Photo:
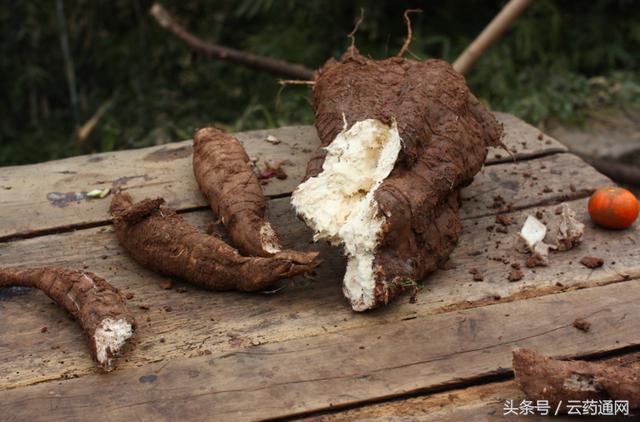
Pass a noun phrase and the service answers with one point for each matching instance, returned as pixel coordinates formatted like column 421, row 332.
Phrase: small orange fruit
column 614, row 208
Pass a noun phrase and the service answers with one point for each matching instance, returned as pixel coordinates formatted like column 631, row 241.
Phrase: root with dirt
column 161, row 240
column 98, row 306
column 399, row 139
column 226, row 178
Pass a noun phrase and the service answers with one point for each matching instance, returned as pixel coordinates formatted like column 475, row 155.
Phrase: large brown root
column 543, row 378
column 225, row 177
column 161, row 240
column 444, row 133
column 97, row 305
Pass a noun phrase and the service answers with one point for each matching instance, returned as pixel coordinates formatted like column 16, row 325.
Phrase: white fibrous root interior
column 269, row 239
column 109, row 338
column 339, row 203
column 531, row 239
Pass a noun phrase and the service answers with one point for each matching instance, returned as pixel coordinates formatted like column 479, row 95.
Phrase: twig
column 69, row 67
column 85, row 130
column 267, row 64
column 407, row 41
column 490, row 34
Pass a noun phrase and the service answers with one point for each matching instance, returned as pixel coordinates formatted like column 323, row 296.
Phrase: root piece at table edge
column 545, row 378
column 99, row 307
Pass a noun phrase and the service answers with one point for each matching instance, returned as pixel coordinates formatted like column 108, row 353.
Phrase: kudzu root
column 225, row 177
column 559, row 381
column 399, row 139
column 161, row 240
column 98, row 306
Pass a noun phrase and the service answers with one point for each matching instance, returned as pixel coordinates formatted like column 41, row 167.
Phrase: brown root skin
column 543, row 378
column 225, row 177
column 445, row 133
column 90, row 299
column 164, row 242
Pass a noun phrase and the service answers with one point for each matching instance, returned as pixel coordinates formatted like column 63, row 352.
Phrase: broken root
column 161, row 240
column 98, row 306
column 399, row 139
column 558, row 381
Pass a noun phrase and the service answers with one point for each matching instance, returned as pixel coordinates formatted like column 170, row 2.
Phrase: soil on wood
column 592, row 262
column 582, row 324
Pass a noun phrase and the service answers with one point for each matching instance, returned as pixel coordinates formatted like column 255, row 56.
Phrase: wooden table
column 302, row 352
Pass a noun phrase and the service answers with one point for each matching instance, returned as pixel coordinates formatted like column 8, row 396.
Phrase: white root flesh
column 269, row 239
column 531, row 239
column 110, row 336
column 339, row 203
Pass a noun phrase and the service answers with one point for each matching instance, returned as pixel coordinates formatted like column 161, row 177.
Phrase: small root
column 407, row 41
column 285, row 82
column 352, row 34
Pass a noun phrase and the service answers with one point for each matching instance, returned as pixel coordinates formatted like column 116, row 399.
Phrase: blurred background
column 569, row 67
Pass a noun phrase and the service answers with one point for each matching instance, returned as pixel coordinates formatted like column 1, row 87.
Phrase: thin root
column 285, row 82
column 352, row 34
column 407, row 41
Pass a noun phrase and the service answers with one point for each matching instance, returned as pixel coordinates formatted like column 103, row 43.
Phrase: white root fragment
column 570, row 230
column 272, row 140
column 110, row 336
column 269, row 239
column 339, row 203
column 532, row 232
column 531, row 240
column 541, row 253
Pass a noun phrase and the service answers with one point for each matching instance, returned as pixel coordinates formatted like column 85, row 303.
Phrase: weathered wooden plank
column 477, row 403
column 201, row 321
column 514, row 186
column 40, row 198
column 486, row 402
column 343, row 368
column 522, row 140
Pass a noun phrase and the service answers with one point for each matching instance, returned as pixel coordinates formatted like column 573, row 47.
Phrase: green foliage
column 559, row 58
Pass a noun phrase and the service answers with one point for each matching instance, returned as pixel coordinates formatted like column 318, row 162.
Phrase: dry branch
column 254, row 61
column 490, row 34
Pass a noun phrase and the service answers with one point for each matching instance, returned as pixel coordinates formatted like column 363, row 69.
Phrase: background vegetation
column 559, row 58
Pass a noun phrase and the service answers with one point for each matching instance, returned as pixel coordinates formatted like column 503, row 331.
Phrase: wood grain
column 478, row 403
column 484, row 402
column 513, row 186
column 343, row 368
column 206, row 322
column 41, row 198
column 28, row 193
